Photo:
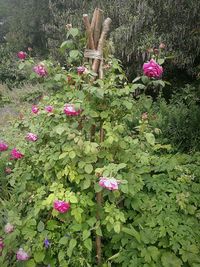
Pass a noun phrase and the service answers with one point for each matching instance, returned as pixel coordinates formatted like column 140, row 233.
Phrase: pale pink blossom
column 162, row 46
column 21, row 55
column 144, row 116
column 16, row 154
column 31, row 137
column 3, row 146
column 22, row 255
column 49, row 109
column 108, row 183
column 9, row 228
column 61, row 206
column 152, row 69
column 40, row 70
column 35, row 109
column 70, row 110
column 8, row 170
column 82, row 70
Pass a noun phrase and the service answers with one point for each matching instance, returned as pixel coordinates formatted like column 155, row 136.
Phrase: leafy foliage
column 152, row 220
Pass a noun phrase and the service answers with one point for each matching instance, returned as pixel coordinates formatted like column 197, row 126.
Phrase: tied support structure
column 97, row 32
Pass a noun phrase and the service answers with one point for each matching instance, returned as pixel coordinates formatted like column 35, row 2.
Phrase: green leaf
column 170, row 260
column 73, row 31
column 39, row 256
column 40, row 226
column 72, row 154
column 161, row 61
column 150, row 138
column 30, row 263
column 73, row 199
column 64, row 240
column 86, row 234
column 88, row 244
column 131, row 231
column 86, row 184
column 117, row 227
column 88, row 168
column 74, row 54
column 72, row 245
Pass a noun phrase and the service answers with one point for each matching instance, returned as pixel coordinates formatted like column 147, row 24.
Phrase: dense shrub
column 152, row 220
column 179, row 119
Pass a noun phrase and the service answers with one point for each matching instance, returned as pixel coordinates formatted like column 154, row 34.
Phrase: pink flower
column 61, row 206
column 40, row 70
column 1, row 244
column 21, row 55
column 31, row 137
column 145, row 116
column 22, row 255
column 16, row 154
column 71, row 111
column 109, row 183
column 81, row 70
column 35, row 109
column 8, row 170
column 8, row 228
column 152, row 69
column 3, row 146
column 162, row 46
column 49, row 109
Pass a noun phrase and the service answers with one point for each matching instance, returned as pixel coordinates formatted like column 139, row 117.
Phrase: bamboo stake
column 93, row 22
column 106, row 27
column 98, row 25
column 88, row 30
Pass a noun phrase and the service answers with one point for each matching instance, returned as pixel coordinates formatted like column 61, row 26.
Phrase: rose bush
column 148, row 213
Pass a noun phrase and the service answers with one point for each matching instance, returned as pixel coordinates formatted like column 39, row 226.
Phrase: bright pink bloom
column 3, row 146
column 31, row 137
column 35, row 109
column 61, row 206
column 22, row 255
column 71, row 111
column 81, row 70
column 9, row 228
column 16, row 154
column 49, row 109
column 109, row 183
column 22, row 55
column 8, row 170
column 1, row 246
column 152, row 69
column 40, row 70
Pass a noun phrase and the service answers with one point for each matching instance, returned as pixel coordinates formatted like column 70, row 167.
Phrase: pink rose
column 61, row 206
column 22, row 255
column 21, row 55
column 109, row 183
column 152, row 69
column 49, row 109
column 162, row 46
column 70, row 110
column 8, row 170
column 16, row 154
column 145, row 116
column 3, row 146
column 35, row 109
column 40, row 70
column 1, row 246
column 81, row 70
column 8, row 228
column 31, row 137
